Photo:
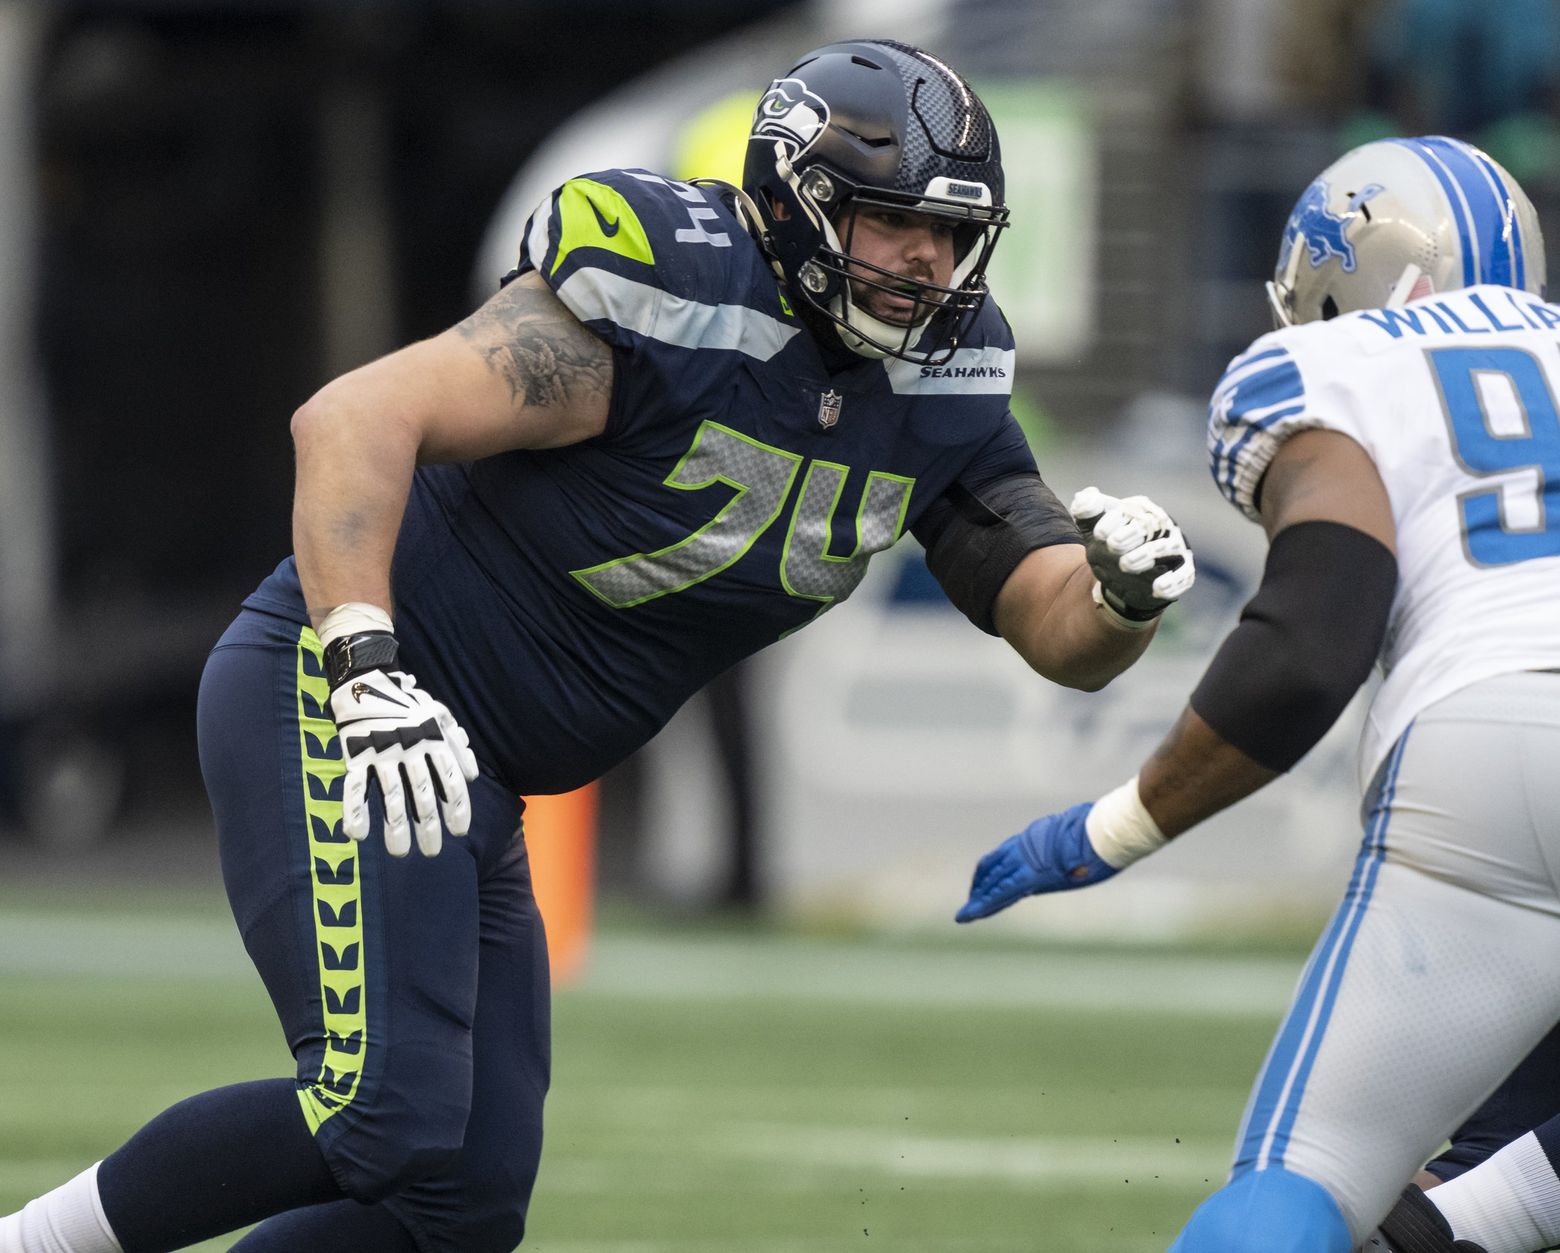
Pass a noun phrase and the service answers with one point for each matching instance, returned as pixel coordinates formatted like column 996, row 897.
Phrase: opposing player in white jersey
column 1399, row 439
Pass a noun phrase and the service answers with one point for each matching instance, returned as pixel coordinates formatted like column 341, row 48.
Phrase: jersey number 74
column 762, row 476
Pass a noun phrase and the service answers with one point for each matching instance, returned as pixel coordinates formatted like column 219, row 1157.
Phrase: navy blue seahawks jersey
column 565, row 602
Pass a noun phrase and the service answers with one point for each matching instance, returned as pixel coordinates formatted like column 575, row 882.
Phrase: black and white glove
column 410, row 742
column 1140, row 559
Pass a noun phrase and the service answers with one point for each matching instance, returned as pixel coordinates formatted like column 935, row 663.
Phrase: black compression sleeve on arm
column 973, row 543
column 1304, row 645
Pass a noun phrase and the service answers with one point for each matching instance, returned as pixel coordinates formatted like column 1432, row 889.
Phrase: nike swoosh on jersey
column 609, row 229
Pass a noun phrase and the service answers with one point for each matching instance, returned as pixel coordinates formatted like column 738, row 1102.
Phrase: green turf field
column 717, row 1089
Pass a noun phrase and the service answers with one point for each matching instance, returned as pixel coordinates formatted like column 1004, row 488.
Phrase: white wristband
column 1120, row 828
column 353, row 618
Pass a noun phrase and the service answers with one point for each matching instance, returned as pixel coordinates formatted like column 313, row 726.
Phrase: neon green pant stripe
column 338, row 900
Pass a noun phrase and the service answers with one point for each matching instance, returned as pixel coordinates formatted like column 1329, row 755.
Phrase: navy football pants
column 413, row 992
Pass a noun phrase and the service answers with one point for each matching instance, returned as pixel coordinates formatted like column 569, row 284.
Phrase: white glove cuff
column 353, row 618
column 1115, row 618
column 1120, row 828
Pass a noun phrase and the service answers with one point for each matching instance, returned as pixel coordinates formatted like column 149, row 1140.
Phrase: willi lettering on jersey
column 1467, row 313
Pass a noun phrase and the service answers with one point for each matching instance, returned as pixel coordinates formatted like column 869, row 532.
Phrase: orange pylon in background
column 560, row 840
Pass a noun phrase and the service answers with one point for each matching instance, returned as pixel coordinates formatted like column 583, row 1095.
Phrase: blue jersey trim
column 1255, row 400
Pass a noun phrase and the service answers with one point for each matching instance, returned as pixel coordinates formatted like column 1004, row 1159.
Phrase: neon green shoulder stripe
column 593, row 215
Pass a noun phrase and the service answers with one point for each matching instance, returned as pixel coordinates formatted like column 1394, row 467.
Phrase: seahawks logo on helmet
column 1326, row 234
column 792, row 114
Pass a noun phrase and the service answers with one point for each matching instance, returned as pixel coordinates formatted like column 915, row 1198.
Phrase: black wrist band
column 1129, row 612
column 348, row 655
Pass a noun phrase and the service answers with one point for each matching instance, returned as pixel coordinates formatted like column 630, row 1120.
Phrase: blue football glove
column 1051, row 854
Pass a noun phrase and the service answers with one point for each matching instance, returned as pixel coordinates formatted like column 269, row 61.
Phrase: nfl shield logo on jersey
column 829, row 408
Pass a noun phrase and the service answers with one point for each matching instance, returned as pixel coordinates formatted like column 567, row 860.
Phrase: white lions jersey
column 1457, row 400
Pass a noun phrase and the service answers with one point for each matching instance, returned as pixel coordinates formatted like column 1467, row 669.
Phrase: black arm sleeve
column 974, row 542
column 1304, row 645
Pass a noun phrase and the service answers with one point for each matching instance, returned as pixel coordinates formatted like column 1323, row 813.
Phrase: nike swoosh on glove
column 1141, row 560
column 1051, row 854
column 413, row 746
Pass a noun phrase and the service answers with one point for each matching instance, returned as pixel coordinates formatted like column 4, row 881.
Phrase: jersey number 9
column 1502, row 417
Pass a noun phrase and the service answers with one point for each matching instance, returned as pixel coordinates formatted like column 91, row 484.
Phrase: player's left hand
column 1051, row 854
column 1141, row 560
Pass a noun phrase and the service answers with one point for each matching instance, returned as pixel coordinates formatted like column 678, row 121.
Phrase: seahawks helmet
column 877, row 124
column 1399, row 219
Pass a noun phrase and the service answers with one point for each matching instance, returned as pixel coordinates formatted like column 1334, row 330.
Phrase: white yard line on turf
column 797, row 1157
column 1020, row 1160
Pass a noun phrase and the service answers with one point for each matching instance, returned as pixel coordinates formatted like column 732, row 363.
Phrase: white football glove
column 1138, row 554
column 416, row 750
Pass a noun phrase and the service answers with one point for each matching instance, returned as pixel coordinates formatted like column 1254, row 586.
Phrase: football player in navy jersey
column 676, row 434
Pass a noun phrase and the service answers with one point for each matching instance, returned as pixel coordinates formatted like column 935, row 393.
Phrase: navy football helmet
column 880, row 125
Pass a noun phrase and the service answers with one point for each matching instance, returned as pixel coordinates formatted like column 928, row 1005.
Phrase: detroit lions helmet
column 883, row 125
column 1399, row 219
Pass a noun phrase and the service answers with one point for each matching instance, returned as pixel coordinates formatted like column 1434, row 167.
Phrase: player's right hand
column 1051, row 854
column 393, row 730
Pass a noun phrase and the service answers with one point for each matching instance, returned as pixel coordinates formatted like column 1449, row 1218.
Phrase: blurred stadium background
column 776, row 1038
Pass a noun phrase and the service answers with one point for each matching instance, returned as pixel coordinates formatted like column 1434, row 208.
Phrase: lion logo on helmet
column 1326, row 233
column 791, row 114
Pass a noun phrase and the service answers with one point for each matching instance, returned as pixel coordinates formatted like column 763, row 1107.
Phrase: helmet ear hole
column 1329, row 309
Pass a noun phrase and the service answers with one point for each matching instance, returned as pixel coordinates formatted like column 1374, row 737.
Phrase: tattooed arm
column 520, row 372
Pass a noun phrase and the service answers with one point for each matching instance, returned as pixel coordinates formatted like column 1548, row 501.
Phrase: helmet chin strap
column 861, row 329
column 872, row 327
column 863, row 333
column 868, row 326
